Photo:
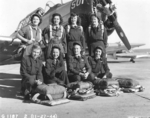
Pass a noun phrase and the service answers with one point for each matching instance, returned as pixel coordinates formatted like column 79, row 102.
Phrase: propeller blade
column 118, row 28
column 121, row 34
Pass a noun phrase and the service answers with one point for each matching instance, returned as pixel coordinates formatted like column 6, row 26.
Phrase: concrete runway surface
column 127, row 105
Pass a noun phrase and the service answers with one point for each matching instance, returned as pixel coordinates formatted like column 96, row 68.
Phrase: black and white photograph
column 74, row 59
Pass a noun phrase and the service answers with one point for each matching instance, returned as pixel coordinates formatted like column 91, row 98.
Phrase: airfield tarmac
column 127, row 105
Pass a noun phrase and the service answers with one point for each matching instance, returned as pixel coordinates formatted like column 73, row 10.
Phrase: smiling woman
column 55, row 35
column 31, row 72
column 30, row 34
column 36, row 20
column 133, row 17
column 55, row 68
column 36, row 51
column 17, row 10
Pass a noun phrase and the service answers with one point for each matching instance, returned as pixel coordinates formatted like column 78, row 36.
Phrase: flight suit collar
column 36, row 60
column 74, row 26
column 97, row 27
column 56, row 27
column 98, row 59
column 79, row 58
column 35, row 28
column 55, row 63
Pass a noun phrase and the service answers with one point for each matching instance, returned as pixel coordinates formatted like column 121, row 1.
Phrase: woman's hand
column 81, row 74
column 83, row 53
column 86, row 75
column 29, row 42
column 38, row 82
column 95, row 77
column 33, row 39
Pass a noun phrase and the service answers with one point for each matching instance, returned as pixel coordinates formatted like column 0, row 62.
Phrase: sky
column 133, row 16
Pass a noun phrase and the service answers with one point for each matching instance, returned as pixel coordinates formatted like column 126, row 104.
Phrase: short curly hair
column 57, row 14
column 56, row 47
column 93, row 15
column 98, row 47
column 78, row 19
column 37, row 15
column 36, row 47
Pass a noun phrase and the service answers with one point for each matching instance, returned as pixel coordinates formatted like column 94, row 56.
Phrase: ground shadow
column 138, row 60
column 9, row 85
column 119, row 61
column 134, row 77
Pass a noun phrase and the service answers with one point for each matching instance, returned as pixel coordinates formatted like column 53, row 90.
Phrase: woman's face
column 98, row 53
column 94, row 21
column 35, row 21
column 36, row 53
column 77, row 50
column 74, row 19
column 56, row 20
column 55, row 53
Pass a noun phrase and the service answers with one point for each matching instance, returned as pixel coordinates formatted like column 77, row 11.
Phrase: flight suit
column 57, row 38
column 29, row 33
column 77, row 65
column 97, row 36
column 55, row 72
column 99, row 67
column 30, row 71
column 75, row 35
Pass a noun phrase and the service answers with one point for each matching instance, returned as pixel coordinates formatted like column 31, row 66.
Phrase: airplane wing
column 132, row 55
column 6, row 47
column 119, row 47
column 111, row 50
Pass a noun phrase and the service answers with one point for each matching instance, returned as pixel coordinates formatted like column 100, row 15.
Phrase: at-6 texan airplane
column 83, row 8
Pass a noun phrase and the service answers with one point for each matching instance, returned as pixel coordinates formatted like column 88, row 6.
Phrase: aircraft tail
column 22, row 23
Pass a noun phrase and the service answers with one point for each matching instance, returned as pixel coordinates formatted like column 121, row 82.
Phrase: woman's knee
column 91, row 76
column 74, row 78
column 77, row 77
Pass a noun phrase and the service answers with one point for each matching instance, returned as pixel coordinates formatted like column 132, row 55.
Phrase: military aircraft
column 84, row 8
column 118, row 50
column 114, row 51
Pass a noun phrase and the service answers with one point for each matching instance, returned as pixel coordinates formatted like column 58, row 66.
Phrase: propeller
column 117, row 27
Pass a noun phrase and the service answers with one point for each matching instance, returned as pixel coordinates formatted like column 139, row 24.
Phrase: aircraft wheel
column 132, row 60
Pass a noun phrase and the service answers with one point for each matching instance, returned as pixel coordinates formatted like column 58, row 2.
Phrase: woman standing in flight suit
column 30, row 34
column 96, row 35
column 55, row 35
column 74, row 33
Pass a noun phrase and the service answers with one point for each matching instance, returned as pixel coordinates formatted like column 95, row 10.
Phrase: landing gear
column 132, row 60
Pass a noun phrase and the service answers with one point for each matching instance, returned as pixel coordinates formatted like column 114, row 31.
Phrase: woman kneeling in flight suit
column 99, row 65
column 78, row 66
column 55, row 69
column 31, row 71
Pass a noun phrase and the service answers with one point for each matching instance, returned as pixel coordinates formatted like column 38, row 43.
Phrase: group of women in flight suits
column 68, row 44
